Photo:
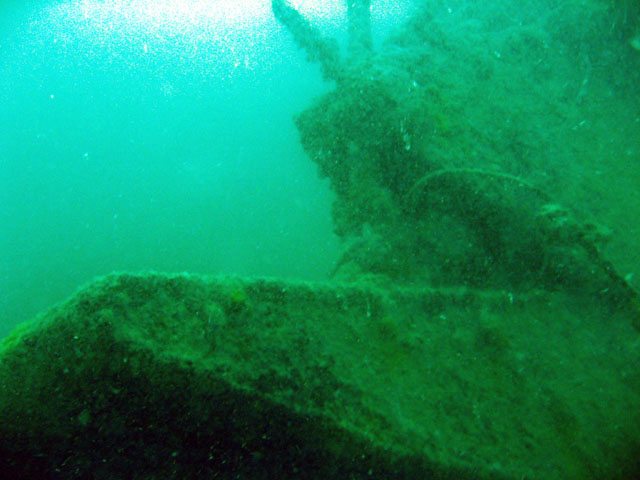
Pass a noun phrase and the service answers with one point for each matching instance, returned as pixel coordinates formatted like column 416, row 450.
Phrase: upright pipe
column 359, row 29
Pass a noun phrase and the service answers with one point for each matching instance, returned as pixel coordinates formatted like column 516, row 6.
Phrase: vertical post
column 359, row 18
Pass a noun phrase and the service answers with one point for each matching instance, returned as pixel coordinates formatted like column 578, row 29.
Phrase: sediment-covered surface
column 156, row 376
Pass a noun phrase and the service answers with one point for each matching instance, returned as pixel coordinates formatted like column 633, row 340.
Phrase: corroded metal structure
column 422, row 198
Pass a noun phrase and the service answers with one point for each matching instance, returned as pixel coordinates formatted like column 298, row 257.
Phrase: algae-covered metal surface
column 482, row 320
column 155, row 376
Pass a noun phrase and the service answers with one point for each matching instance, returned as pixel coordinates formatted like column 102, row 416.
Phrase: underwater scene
column 307, row 239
